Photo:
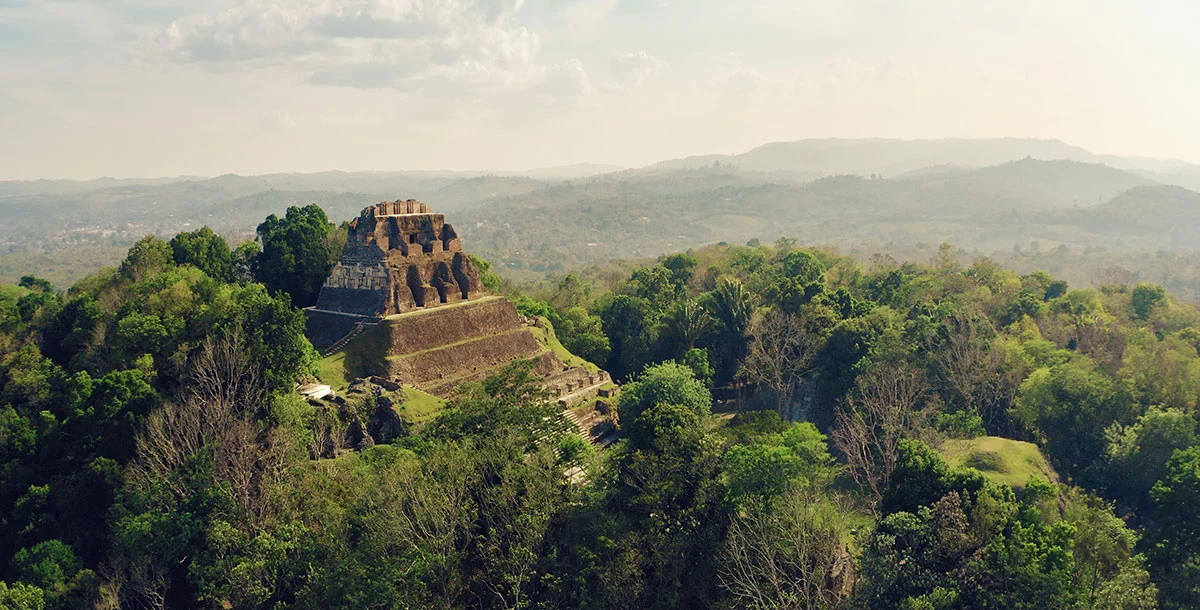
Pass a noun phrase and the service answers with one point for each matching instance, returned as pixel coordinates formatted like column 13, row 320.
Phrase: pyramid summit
column 399, row 256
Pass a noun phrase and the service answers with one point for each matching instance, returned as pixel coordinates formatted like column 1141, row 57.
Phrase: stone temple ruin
column 405, row 304
column 399, row 256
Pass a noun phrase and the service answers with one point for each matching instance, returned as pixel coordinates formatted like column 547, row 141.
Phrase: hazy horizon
column 602, row 167
column 146, row 88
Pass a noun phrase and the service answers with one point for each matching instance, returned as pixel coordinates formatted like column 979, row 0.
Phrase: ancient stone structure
column 399, row 256
column 406, row 305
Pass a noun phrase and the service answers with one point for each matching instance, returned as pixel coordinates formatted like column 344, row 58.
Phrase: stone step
column 591, row 424
column 344, row 341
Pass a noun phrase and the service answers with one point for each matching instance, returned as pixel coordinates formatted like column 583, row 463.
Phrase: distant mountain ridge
column 794, row 160
column 892, row 157
column 828, row 192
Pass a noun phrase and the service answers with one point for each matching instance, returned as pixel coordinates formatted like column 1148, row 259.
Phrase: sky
column 144, row 88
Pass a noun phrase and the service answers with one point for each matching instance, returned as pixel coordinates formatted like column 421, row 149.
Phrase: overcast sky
column 157, row 87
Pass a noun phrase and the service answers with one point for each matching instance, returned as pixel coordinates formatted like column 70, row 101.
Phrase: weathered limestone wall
column 574, row 380
column 459, row 360
column 544, row 364
column 439, row 327
column 387, row 227
column 380, row 289
column 399, row 256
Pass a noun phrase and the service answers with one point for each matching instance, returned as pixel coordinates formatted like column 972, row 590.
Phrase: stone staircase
column 592, row 425
column 354, row 332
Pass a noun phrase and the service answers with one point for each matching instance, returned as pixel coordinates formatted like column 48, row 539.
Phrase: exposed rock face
column 399, row 256
column 365, row 416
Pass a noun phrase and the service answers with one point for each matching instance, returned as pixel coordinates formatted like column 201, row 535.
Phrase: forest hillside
column 797, row 428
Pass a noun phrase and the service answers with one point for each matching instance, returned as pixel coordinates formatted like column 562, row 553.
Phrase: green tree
column 204, row 250
column 667, row 383
column 697, row 360
column 1173, row 544
column 798, row 458
column 295, row 256
column 628, row 324
column 582, row 334
column 802, row 267
column 35, row 283
column 732, row 308
column 1068, row 406
column 1137, row 454
column 148, row 256
column 1107, row 571
column 1146, row 298
column 271, row 333
column 49, row 564
column 683, row 326
column 20, row 596
column 509, row 401
column 951, row 536
column 682, row 267
column 668, row 485
column 655, row 285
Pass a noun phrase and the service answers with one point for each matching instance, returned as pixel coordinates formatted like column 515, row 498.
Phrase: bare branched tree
column 780, row 354
column 889, row 404
column 217, row 413
column 971, row 371
column 137, row 584
column 224, row 393
column 222, row 374
column 328, row 435
column 790, row 557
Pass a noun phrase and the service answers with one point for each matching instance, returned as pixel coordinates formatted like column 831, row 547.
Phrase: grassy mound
column 544, row 333
column 419, row 407
column 1001, row 459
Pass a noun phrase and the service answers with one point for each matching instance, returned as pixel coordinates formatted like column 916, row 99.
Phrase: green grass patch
column 549, row 340
column 419, row 407
column 332, row 371
column 363, row 356
column 1001, row 459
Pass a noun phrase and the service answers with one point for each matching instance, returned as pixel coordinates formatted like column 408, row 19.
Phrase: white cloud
column 632, row 69
column 732, row 72
column 566, row 81
column 409, row 44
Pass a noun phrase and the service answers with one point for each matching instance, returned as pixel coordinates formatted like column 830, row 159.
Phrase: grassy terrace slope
column 546, row 337
column 368, row 354
column 1001, row 459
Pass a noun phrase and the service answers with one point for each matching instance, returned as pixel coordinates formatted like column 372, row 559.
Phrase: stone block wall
column 459, row 360
column 440, row 327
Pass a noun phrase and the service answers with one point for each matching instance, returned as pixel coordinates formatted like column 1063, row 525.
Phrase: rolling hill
column 854, row 194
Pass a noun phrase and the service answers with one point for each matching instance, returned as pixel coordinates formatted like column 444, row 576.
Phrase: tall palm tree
column 731, row 307
column 684, row 325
